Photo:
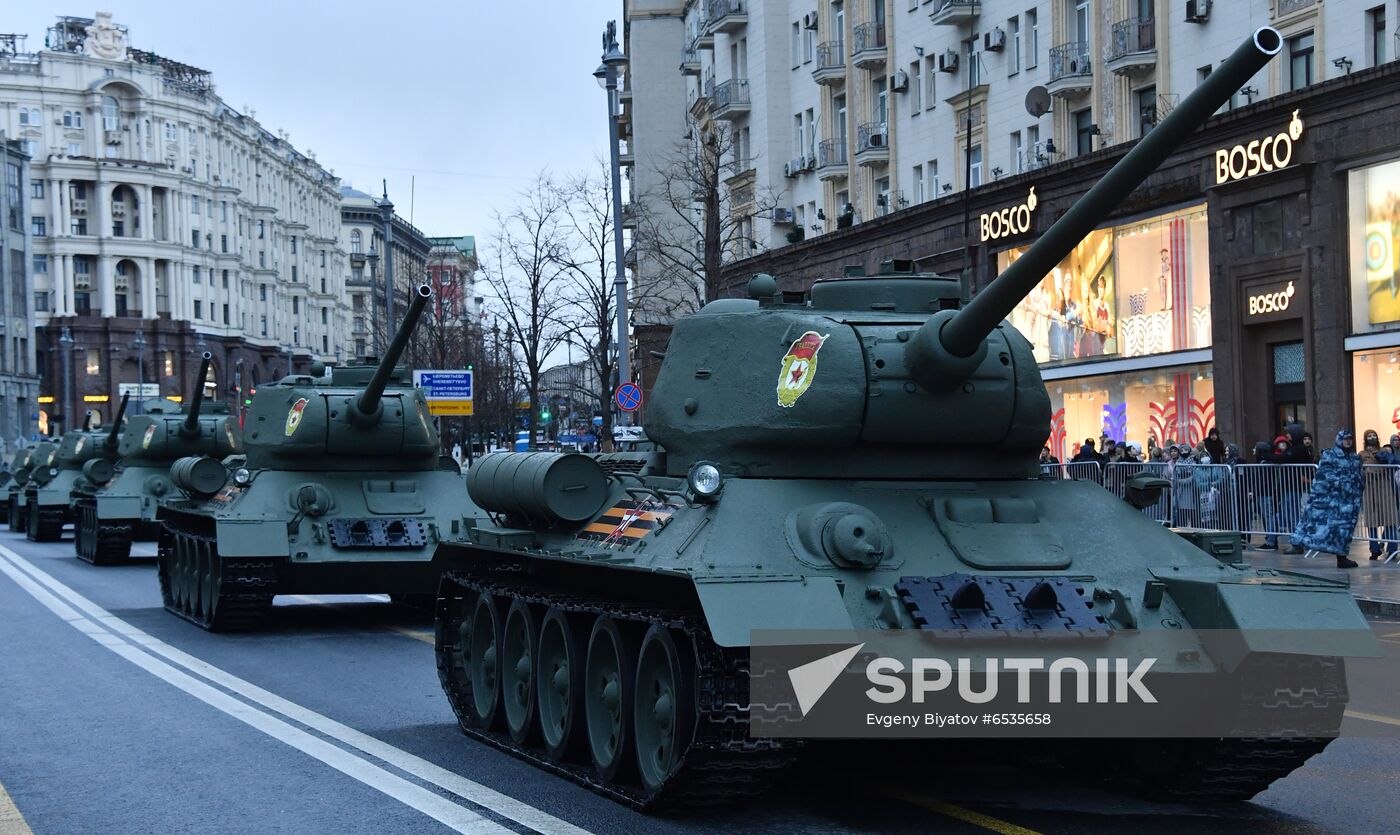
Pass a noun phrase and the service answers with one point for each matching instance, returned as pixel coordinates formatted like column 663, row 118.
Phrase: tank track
column 18, row 517
column 45, row 524
column 237, row 598
column 1308, row 692
column 99, row 542
column 722, row 766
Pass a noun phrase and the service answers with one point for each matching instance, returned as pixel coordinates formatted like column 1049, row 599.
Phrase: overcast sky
column 457, row 103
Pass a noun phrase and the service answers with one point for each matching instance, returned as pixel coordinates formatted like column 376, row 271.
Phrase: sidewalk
column 1376, row 585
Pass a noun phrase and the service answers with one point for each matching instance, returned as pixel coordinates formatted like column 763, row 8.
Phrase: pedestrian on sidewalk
column 1214, row 446
column 1380, row 502
column 1334, row 502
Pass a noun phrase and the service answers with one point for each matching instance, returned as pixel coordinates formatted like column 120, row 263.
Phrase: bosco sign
column 1276, row 302
column 1013, row 220
column 1259, row 155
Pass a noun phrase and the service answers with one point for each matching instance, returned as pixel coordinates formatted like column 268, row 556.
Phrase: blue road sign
column 447, row 392
column 628, row 397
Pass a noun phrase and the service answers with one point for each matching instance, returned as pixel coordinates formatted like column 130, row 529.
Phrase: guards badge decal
column 294, row 416
column 799, row 367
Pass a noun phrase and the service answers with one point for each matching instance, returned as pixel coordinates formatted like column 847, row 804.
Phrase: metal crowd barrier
column 1255, row 499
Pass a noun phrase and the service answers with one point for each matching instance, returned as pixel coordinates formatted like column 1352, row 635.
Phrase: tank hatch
column 896, row 288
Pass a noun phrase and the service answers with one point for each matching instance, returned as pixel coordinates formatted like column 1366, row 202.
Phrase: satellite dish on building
column 1037, row 102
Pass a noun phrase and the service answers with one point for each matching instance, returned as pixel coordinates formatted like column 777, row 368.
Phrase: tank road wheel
column 664, row 707
column 483, row 657
column 519, row 642
column 558, row 699
column 607, row 698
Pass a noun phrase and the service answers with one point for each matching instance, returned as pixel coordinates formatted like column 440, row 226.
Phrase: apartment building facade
column 164, row 223
column 362, row 237
column 19, row 381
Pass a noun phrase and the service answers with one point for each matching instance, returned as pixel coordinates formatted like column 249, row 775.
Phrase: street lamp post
column 613, row 60
column 373, row 258
column 139, row 343
column 65, row 340
column 386, row 215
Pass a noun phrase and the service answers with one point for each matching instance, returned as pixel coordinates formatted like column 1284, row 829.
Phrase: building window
column 294, row 274
column 1032, row 38
column 1016, row 155
column 262, row 259
column 225, row 277
column 262, row 292
column 323, row 258
column 93, row 362
column 809, row 45
column 223, row 211
column 170, row 134
column 293, row 240
column 261, row 229
column 41, row 264
column 1013, row 52
column 1375, row 20
column 29, row 117
column 918, row 184
column 196, row 275
column 36, row 188
column 75, row 149
column 296, row 305
column 974, row 66
column 796, row 44
column 1147, row 109
column 223, row 243
column 1300, row 61
column 325, row 315
column 975, row 176
column 916, row 87
column 225, row 314
column 194, row 204
column 111, row 114
column 359, row 347
column 38, row 227
column 262, row 322
column 72, row 118
column 41, row 302
column 194, row 238
column 198, row 309
column 1083, row 131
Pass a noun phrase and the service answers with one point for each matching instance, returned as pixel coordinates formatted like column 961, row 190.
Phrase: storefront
column 1373, row 222
column 1121, row 327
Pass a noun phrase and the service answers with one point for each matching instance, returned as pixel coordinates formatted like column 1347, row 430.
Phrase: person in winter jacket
column 1378, row 505
column 1214, row 446
column 1088, row 453
column 1334, row 502
column 1387, row 498
column 1210, row 485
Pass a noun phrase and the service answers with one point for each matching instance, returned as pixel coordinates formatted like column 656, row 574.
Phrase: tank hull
column 378, row 534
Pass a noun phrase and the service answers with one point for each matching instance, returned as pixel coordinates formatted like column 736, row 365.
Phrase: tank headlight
column 242, row 477
column 704, row 480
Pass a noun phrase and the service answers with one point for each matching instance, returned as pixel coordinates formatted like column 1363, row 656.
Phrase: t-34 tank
column 820, row 460
column 342, row 492
column 116, row 504
column 14, row 490
column 48, row 495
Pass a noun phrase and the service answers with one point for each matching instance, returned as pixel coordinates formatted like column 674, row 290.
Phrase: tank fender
column 1262, row 613
column 118, row 507
column 253, row 539
column 735, row 606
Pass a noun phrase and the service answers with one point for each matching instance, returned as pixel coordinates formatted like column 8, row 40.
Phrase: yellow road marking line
column 965, row 815
column 11, row 821
column 1372, row 717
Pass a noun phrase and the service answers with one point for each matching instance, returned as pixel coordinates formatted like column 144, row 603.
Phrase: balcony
column 873, row 143
column 79, row 206
column 690, row 61
column 625, row 155
column 955, row 12
column 629, row 216
column 868, row 45
column 890, row 201
column 831, row 159
column 1071, row 73
column 831, row 63
column 118, row 209
column 1132, row 46
column 730, row 100
column 726, row 15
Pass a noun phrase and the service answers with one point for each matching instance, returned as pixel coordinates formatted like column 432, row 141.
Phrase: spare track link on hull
column 45, row 522
column 99, row 542
column 221, row 595
column 1310, row 690
column 723, row 765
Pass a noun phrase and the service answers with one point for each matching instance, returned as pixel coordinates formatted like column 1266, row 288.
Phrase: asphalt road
column 117, row 717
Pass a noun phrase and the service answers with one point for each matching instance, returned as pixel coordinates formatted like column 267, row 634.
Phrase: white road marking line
column 416, row 797
column 11, row 821
column 503, row 805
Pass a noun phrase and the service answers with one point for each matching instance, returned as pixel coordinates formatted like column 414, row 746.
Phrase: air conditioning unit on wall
column 994, row 41
column 899, row 82
column 809, row 20
column 781, row 215
column 1197, row 11
column 948, row 61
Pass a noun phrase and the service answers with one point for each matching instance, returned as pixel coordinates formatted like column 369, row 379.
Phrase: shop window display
column 1133, row 290
column 1163, row 405
column 1376, row 383
column 1374, row 231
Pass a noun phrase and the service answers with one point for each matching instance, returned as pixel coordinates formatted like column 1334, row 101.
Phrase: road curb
column 1379, row 608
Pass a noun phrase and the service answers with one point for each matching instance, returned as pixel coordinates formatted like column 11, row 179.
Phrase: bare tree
column 526, row 272
column 699, row 216
column 588, row 273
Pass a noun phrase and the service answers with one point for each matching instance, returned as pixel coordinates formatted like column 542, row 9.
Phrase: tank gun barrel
column 367, row 404
column 116, row 430
column 191, row 425
column 962, row 334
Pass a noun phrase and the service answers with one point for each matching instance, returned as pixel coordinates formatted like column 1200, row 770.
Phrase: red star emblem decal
column 797, row 374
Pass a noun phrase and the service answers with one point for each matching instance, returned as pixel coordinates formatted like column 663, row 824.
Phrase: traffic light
column 544, row 414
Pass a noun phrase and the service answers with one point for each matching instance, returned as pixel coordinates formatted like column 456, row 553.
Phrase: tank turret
column 361, row 412
column 892, row 376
